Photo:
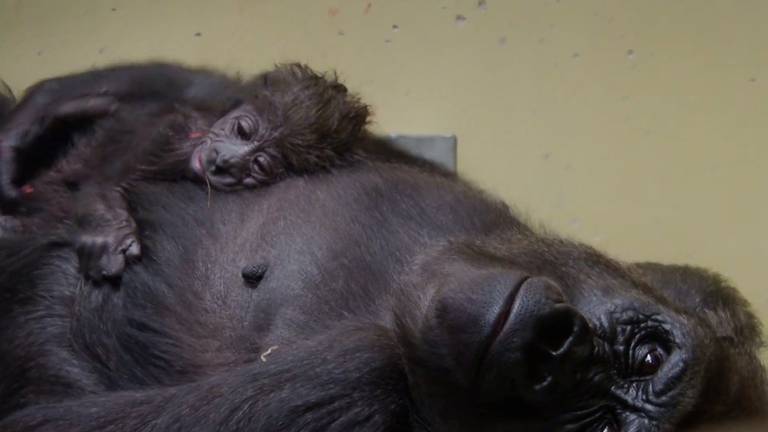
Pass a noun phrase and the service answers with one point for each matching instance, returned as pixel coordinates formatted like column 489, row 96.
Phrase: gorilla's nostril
column 218, row 163
column 555, row 331
column 222, row 162
column 562, row 331
column 541, row 379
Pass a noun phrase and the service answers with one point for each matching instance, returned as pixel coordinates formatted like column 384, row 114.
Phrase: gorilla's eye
column 610, row 425
column 244, row 129
column 649, row 359
column 260, row 164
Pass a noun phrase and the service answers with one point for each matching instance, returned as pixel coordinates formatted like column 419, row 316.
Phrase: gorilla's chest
column 333, row 247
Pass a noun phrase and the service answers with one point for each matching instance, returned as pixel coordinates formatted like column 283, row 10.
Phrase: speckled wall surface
column 638, row 126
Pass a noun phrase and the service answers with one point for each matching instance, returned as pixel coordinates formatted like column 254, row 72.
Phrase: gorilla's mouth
column 500, row 321
column 196, row 162
column 224, row 182
column 201, row 169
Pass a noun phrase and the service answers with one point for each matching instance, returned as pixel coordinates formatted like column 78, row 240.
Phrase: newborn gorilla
column 395, row 299
column 163, row 121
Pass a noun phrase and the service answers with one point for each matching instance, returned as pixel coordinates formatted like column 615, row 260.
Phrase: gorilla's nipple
column 253, row 274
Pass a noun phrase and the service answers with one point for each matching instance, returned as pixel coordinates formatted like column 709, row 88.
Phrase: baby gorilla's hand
column 104, row 252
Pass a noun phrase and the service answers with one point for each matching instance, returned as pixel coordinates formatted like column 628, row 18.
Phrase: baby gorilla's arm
column 72, row 102
column 80, row 200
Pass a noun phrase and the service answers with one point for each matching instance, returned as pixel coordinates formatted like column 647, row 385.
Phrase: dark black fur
column 384, row 283
column 102, row 130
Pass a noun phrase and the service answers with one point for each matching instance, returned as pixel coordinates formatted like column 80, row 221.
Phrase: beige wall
column 638, row 126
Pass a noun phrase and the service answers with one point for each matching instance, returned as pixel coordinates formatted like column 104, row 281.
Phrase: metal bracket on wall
column 440, row 149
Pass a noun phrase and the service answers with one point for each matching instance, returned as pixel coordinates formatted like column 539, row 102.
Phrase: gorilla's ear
column 735, row 384
column 709, row 295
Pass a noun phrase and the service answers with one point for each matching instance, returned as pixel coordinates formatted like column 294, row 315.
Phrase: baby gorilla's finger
column 131, row 248
column 111, row 265
column 89, row 250
column 98, row 258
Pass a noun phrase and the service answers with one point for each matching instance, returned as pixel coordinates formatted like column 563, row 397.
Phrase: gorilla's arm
column 349, row 379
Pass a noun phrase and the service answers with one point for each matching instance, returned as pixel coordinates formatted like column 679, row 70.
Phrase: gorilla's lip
column 225, row 182
column 500, row 320
column 196, row 162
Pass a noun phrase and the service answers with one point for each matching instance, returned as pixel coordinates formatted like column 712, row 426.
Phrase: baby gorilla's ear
column 317, row 115
column 341, row 116
column 338, row 114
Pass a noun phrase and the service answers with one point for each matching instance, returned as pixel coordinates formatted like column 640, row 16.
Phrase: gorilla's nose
column 217, row 162
column 561, row 343
column 544, row 344
column 223, row 162
column 562, row 333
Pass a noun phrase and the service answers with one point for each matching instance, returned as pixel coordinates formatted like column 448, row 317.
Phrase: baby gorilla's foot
column 104, row 254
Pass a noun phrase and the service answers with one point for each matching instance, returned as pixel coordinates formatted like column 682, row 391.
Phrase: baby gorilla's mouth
column 197, row 163
column 205, row 166
column 200, row 166
column 224, row 182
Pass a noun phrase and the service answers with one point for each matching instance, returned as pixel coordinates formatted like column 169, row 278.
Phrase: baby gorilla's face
column 236, row 153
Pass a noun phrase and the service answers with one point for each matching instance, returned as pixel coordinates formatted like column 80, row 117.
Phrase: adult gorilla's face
column 580, row 345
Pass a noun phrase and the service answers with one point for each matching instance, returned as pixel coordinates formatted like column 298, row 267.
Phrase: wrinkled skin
column 394, row 299
column 532, row 344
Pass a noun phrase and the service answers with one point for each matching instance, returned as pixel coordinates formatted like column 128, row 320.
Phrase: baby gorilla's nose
column 218, row 162
column 223, row 162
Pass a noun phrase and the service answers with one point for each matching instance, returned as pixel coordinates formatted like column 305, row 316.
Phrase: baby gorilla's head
column 294, row 121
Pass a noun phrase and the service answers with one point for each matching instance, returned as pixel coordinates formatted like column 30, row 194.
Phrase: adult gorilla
column 395, row 298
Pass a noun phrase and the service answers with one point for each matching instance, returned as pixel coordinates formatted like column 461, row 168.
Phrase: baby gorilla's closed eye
column 244, row 129
column 261, row 166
